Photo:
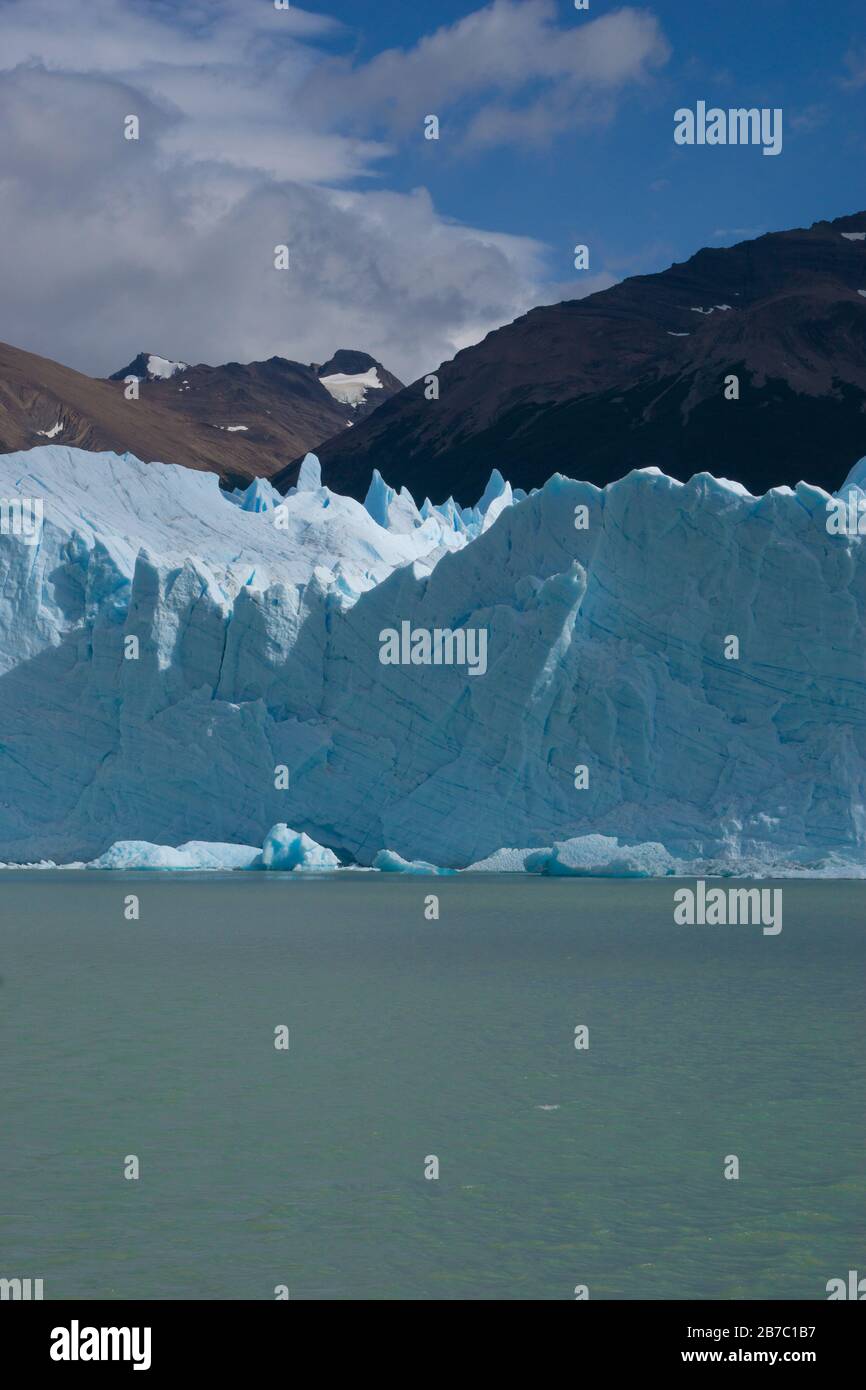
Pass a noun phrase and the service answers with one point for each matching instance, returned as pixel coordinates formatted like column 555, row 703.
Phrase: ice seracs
column 310, row 475
column 116, row 507
column 856, row 478
column 164, row 648
column 394, row 511
column 260, row 496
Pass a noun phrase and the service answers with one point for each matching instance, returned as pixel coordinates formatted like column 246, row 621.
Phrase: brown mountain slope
column 283, row 407
column 635, row 376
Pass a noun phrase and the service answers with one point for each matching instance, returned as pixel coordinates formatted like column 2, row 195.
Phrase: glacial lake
column 409, row 1039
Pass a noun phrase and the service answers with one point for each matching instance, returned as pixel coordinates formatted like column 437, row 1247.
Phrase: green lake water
column 411, row 1038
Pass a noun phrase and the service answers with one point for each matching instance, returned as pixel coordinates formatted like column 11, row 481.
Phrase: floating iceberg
column 391, row 863
column 283, row 850
column 601, row 856
column 287, row 849
column 195, row 854
column 504, row 861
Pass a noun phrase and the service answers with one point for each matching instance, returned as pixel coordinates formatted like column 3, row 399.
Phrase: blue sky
column 641, row 201
column 306, row 127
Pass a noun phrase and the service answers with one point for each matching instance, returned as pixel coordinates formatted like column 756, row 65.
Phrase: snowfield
column 351, row 390
column 257, row 624
column 160, row 368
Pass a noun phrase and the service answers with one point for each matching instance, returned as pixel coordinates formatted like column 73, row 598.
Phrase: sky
column 305, row 127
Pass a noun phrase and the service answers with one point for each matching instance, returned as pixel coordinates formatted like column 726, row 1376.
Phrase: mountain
column 356, row 379
column 312, row 401
column 148, row 367
column 240, row 420
column 635, row 376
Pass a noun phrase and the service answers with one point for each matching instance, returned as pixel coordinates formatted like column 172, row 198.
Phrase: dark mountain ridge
column 635, row 376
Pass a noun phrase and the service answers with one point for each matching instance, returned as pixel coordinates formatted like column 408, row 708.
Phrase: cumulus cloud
column 254, row 134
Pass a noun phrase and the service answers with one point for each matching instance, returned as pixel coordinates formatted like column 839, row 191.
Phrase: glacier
column 256, row 622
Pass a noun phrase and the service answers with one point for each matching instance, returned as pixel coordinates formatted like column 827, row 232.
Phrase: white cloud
column 252, row 134
column 506, row 74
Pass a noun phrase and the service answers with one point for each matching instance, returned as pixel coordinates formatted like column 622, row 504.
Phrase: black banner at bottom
column 210, row 1338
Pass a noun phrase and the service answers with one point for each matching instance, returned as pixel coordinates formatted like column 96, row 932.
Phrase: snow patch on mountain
column 352, row 390
column 162, row 369
column 148, row 366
